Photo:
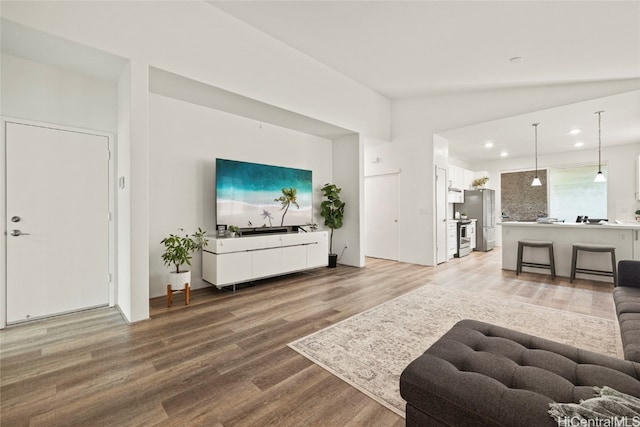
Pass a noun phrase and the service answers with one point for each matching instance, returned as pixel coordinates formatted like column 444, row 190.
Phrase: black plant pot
column 333, row 260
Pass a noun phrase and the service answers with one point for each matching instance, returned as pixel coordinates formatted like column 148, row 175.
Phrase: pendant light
column 536, row 181
column 599, row 176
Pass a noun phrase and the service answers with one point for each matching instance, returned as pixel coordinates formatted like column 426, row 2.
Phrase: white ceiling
column 417, row 48
column 410, row 48
column 620, row 124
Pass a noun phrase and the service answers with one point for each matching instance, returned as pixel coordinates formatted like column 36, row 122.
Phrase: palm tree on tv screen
column 289, row 197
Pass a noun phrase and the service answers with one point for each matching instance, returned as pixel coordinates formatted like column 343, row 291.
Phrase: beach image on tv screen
column 246, row 194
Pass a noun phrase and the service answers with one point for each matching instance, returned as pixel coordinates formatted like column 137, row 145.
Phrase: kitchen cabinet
column 457, row 177
column 468, row 177
column 452, row 238
column 472, row 233
column 457, row 184
column 455, row 195
column 564, row 235
column 460, row 179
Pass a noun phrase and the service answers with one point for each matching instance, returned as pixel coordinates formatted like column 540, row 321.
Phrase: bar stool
column 592, row 247
column 536, row 244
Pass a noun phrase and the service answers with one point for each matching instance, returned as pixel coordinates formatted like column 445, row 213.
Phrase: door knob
column 17, row 233
column 15, row 219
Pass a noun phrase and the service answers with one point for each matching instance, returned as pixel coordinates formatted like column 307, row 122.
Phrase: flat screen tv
column 247, row 195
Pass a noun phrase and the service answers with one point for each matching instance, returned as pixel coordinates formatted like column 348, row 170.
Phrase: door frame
column 439, row 221
column 3, row 205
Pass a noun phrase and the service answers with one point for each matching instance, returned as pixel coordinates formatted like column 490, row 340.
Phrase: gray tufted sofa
column 627, row 298
column 479, row 374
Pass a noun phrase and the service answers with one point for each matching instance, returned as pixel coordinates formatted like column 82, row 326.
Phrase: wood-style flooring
column 224, row 360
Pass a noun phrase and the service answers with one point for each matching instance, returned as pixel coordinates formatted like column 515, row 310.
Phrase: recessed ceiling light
column 504, row 154
column 578, row 144
column 488, row 144
column 516, row 59
column 574, row 131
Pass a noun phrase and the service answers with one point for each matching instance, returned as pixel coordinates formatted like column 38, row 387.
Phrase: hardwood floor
column 223, row 360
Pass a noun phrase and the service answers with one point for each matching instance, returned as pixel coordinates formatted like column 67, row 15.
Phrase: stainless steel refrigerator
column 480, row 204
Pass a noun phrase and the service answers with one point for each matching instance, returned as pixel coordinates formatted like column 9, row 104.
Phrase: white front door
column 57, row 226
column 381, row 216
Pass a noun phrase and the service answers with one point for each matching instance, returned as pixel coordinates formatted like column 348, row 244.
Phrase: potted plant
column 178, row 251
column 233, row 230
column 480, row 182
column 332, row 210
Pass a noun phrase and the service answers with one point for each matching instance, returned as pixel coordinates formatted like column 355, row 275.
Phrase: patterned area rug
column 371, row 349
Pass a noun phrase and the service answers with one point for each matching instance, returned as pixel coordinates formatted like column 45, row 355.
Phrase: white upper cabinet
column 455, row 193
column 459, row 180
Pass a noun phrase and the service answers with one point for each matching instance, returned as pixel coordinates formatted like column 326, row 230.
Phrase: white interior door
column 381, row 216
column 57, row 221
column 441, row 215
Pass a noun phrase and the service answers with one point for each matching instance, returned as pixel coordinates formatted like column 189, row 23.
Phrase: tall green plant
column 289, row 197
column 332, row 210
column 178, row 249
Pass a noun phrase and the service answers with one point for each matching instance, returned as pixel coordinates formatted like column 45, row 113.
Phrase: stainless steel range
column 464, row 239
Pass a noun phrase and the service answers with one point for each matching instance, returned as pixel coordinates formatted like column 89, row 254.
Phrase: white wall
column 413, row 141
column 197, row 40
column 123, row 195
column 379, row 157
column 43, row 93
column 185, row 140
column 54, row 95
column 207, row 45
column 347, row 169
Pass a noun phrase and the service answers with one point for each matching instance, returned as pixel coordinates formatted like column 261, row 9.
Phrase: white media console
column 229, row 261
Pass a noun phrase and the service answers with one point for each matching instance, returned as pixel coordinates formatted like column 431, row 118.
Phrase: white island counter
column 625, row 237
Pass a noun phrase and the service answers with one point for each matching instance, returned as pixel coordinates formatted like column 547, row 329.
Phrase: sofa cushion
column 482, row 374
column 627, row 299
column 630, row 333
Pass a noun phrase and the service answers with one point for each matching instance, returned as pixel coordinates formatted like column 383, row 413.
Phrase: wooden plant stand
column 187, row 294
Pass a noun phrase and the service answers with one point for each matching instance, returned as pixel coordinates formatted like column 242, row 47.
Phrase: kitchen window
column 572, row 192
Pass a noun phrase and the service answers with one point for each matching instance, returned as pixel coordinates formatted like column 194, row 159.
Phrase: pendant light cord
column 599, row 113
column 535, row 125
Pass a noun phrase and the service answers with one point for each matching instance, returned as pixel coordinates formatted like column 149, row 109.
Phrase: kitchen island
column 625, row 238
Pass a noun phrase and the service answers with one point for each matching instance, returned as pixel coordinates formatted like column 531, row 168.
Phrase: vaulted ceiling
column 421, row 48
column 411, row 48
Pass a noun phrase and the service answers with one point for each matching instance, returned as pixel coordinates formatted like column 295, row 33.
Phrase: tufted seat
column 627, row 298
column 482, row 374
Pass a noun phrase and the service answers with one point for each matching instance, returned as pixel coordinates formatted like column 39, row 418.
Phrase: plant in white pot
column 332, row 210
column 233, row 230
column 178, row 251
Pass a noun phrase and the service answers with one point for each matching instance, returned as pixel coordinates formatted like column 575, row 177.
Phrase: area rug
column 371, row 349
